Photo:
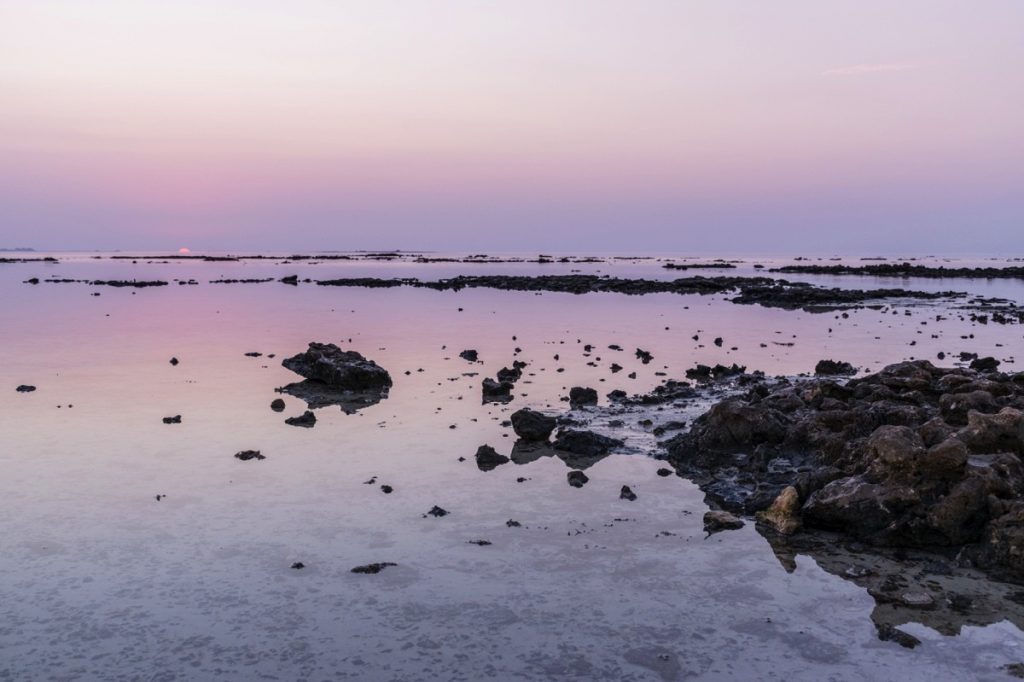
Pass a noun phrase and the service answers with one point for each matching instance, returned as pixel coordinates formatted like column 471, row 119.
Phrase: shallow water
column 99, row 580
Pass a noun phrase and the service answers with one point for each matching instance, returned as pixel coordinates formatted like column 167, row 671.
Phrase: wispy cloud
column 859, row 69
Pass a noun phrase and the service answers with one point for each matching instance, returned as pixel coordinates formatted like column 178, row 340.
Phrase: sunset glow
column 501, row 125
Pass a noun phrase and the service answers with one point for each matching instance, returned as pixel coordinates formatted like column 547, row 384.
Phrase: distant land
column 20, row 250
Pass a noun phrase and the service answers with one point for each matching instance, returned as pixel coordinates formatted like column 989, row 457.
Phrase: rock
column 487, row 458
column 985, row 364
column 277, row 405
column 644, row 356
column 335, row 368
column 991, row 433
column 582, row 397
column 512, row 375
column 470, row 355
column 663, row 472
column 784, row 515
column 25, row 388
column 437, row 511
column 290, row 279
column 577, row 479
column 373, row 568
column 174, row 361
column 627, row 494
column 496, row 391
column 176, row 419
column 306, row 420
column 246, row 455
column 584, row 442
column 479, row 543
column 254, row 354
column 532, row 425
column 298, row 565
column 889, row 633
column 386, row 489
column 834, row 368
column 716, row 520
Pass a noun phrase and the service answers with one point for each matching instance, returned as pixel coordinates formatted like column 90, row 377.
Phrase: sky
column 703, row 126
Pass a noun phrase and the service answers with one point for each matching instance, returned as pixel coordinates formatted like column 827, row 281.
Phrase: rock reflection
column 908, row 586
column 316, row 395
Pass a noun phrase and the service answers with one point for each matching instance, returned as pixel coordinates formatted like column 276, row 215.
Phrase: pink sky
column 587, row 125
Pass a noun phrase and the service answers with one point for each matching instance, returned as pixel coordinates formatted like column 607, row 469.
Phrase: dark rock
column 290, row 279
column 246, row 455
column 834, row 368
column 532, row 425
column 577, row 479
column 627, row 494
column 470, row 355
column 338, row 369
column 584, row 442
column 373, row 568
column 716, row 520
column 663, row 472
column 25, row 388
column 306, row 420
column 277, row 405
column 582, row 397
column 487, row 458
column 298, row 565
column 176, row 419
column 437, row 511
column 386, row 489
column 644, row 356
column 496, row 391
column 174, row 361
column 985, row 364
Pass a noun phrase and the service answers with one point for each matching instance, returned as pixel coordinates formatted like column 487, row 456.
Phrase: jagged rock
column 784, row 515
column 335, row 368
column 470, row 355
column 627, row 494
column 532, row 425
column 496, row 391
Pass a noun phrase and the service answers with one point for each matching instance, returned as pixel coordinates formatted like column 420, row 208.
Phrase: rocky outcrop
column 912, row 456
column 338, row 369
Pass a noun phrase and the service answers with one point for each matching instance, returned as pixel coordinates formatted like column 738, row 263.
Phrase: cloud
column 859, row 69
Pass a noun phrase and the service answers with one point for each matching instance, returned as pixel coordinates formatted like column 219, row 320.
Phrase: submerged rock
column 306, row 420
column 532, row 425
column 373, row 568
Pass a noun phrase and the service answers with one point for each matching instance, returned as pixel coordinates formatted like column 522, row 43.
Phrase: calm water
column 99, row 580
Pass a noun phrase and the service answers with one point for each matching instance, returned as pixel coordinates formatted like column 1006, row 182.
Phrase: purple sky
column 537, row 125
